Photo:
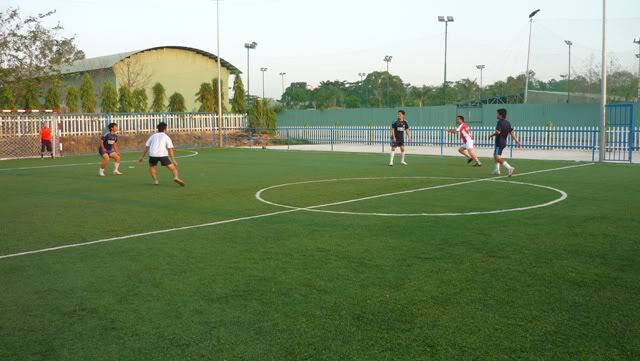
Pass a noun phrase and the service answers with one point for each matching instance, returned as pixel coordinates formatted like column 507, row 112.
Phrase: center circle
column 562, row 196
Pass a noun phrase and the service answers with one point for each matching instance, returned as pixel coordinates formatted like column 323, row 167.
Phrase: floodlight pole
column 219, row 75
column 249, row 46
column 526, row 75
column 445, row 20
column 481, row 68
column 603, row 87
column 387, row 59
column 637, row 41
column 263, row 70
column 282, row 75
column 361, row 75
column 569, row 43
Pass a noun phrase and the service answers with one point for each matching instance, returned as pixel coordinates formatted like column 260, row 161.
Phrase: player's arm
column 408, row 133
column 515, row 138
column 497, row 133
column 104, row 150
column 146, row 150
column 393, row 134
column 172, row 157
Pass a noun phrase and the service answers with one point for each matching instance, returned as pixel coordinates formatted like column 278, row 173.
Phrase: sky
column 316, row 40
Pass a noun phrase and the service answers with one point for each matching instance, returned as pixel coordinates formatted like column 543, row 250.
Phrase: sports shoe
column 469, row 160
column 478, row 165
column 155, row 182
column 495, row 173
column 390, row 164
column 116, row 172
column 179, row 181
column 511, row 171
column 101, row 172
column 403, row 163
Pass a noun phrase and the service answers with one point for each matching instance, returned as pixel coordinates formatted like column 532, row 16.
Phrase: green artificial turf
column 555, row 283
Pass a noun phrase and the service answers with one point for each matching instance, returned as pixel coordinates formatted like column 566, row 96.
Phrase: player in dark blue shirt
column 109, row 150
column 398, row 130
column 503, row 131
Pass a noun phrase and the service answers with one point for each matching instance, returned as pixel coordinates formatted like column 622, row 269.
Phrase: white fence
column 12, row 124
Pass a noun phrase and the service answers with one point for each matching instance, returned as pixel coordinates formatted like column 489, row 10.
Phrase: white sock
column 506, row 165
column 116, row 166
column 497, row 170
column 402, row 157
column 393, row 154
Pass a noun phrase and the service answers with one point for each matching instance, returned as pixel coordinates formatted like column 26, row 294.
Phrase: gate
column 620, row 135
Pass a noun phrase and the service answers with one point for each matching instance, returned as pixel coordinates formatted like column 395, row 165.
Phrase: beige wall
column 177, row 70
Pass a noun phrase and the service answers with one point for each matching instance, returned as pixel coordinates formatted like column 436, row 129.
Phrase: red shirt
column 465, row 133
column 45, row 134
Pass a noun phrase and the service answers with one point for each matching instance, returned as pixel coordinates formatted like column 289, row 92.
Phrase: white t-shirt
column 159, row 144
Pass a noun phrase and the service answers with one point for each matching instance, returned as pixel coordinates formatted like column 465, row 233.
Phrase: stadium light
column 387, row 59
column 602, row 144
column 569, row 43
column 636, row 40
column 282, row 75
column 526, row 84
column 481, row 68
column 249, row 46
column 446, row 21
column 263, row 70
column 362, row 75
column 220, row 124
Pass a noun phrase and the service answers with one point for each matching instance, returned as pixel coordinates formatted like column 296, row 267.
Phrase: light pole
column 362, row 75
column 481, row 68
column 446, row 20
column 263, row 70
column 526, row 75
column 219, row 74
column 249, row 46
column 637, row 41
column 282, row 75
column 569, row 43
column 603, row 87
column 387, row 59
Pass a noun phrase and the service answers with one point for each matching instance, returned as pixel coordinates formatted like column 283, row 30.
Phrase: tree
column 72, row 99
column 159, row 98
column 214, row 90
column 32, row 96
column 109, row 97
column 328, row 95
column 31, row 52
column 205, row 97
column 238, row 103
column 87, row 95
column 132, row 74
column 176, row 103
column 296, row 96
column 140, row 100
column 125, row 100
column 6, row 98
column 52, row 100
column 262, row 115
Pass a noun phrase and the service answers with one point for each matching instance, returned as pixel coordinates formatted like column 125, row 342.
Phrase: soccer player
column 398, row 129
column 109, row 150
column 467, row 148
column 160, row 149
column 45, row 140
column 503, row 130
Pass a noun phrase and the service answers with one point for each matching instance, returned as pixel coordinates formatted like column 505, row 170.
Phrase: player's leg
column 153, row 174
column 42, row 148
column 103, row 163
column 393, row 153
column 402, row 154
column 116, row 163
column 498, row 160
column 474, row 156
column 173, row 169
column 50, row 148
column 462, row 150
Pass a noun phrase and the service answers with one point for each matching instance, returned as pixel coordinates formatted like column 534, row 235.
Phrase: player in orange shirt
column 45, row 140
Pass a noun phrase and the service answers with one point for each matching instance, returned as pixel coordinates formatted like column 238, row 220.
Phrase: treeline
column 382, row 89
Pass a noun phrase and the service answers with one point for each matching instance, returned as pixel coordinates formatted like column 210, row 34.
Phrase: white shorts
column 468, row 145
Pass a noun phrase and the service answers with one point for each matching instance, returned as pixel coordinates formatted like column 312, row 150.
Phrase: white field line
column 193, row 154
column 168, row 230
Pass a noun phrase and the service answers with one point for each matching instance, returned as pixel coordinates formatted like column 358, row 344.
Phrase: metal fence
column 621, row 141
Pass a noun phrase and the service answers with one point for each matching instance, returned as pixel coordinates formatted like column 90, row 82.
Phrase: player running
column 160, row 149
column 398, row 129
column 109, row 150
column 467, row 148
column 45, row 140
column 503, row 130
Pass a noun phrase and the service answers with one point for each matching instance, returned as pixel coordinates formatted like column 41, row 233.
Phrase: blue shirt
column 504, row 127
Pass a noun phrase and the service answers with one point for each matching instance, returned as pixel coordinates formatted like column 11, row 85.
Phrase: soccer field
column 275, row 255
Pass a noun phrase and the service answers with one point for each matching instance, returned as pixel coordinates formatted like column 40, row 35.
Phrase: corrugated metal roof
column 108, row 61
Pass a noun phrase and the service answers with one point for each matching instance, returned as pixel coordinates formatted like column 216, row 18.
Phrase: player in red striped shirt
column 466, row 137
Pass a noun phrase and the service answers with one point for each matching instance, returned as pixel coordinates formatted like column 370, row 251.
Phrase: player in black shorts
column 503, row 130
column 109, row 150
column 398, row 130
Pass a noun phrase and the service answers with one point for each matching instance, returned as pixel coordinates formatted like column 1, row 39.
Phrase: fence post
column 333, row 129
column 288, row 147
column 441, row 136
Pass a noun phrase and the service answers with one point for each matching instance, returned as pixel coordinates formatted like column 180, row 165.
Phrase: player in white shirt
column 466, row 137
column 160, row 149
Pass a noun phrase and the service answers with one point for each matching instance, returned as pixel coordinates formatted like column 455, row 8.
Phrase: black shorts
column 165, row 161
column 46, row 145
column 397, row 143
column 498, row 149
